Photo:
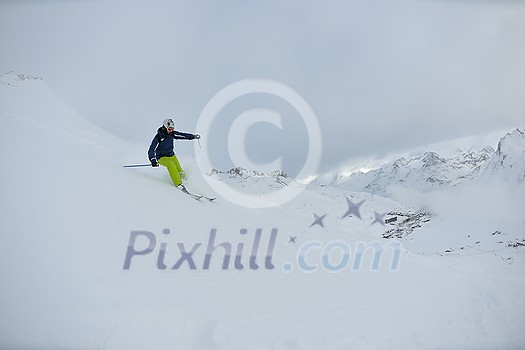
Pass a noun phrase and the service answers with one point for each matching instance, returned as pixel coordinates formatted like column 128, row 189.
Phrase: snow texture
column 69, row 209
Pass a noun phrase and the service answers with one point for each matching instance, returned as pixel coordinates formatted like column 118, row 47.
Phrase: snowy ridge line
column 502, row 245
column 479, row 251
column 245, row 173
column 429, row 170
column 11, row 78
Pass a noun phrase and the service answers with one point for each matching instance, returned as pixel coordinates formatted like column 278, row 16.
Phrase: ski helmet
column 168, row 123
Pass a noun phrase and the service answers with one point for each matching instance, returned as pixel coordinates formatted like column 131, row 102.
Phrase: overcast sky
column 382, row 76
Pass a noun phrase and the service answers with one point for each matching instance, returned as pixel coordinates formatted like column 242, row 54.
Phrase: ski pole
column 136, row 165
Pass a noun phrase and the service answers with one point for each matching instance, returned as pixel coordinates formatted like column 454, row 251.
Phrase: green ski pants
column 174, row 168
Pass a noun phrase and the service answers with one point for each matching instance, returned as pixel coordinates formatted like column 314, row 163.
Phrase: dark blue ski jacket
column 162, row 143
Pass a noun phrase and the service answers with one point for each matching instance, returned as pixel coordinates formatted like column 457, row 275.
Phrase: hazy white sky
column 382, row 75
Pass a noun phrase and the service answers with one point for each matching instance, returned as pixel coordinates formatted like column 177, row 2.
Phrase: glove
column 154, row 162
column 197, row 136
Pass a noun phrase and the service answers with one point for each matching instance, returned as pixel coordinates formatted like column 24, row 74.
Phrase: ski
column 200, row 196
column 211, row 199
column 193, row 195
column 196, row 196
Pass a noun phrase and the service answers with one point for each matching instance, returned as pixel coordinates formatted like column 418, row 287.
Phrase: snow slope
column 69, row 210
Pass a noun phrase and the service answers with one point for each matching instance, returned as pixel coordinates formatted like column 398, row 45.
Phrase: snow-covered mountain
column 429, row 171
column 97, row 256
column 13, row 79
column 508, row 162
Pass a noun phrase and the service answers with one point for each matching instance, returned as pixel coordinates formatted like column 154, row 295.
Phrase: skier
column 161, row 151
